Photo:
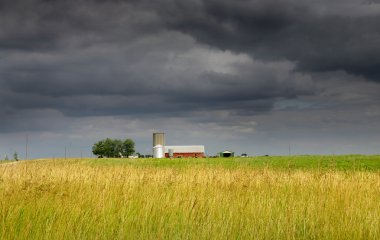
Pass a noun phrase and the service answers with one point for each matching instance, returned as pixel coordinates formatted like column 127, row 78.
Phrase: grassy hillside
column 260, row 198
column 6, row 161
column 342, row 162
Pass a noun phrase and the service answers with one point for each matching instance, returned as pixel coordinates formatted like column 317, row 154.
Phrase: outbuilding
column 194, row 151
column 226, row 154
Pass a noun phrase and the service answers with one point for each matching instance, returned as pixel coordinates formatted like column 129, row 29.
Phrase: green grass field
column 297, row 197
column 342, row 162
column 6, row 161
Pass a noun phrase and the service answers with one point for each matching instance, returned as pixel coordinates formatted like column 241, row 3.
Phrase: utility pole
column 69, row 149
column 65, row 152
column 26, row 147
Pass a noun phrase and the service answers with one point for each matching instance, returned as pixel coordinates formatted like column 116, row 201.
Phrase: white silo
column 158, row 145
column 158, row 151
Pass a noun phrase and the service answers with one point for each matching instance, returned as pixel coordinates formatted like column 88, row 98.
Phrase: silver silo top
column 158, row 139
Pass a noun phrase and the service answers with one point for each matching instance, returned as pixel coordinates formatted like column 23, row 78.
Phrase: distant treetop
column 113, row 148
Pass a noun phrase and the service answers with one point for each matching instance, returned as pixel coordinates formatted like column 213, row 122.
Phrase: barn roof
column 186, row 149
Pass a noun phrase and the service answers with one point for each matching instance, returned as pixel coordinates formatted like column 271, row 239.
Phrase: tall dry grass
column 71, row 200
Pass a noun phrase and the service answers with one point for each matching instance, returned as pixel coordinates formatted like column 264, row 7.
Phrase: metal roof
column 227, row 151
column 186, row 149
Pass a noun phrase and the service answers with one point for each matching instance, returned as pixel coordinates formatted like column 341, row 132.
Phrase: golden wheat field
column 73, row 199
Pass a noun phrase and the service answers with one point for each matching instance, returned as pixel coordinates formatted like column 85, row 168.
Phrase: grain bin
column 158, row 139
column 171, row 152
column 158, row 151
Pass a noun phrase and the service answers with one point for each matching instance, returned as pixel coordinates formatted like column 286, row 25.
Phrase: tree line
column 113, row 148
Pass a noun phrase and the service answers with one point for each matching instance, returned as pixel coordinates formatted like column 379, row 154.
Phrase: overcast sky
column 261, row 77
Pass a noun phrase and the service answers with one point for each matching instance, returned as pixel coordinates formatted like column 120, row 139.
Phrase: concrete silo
column 158, row 139
column 158, row 145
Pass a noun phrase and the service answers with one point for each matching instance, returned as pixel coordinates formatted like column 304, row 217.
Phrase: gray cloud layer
column 215, row 64
column 319, row 36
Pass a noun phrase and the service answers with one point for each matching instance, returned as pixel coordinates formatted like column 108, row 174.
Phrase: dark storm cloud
column 37, row 25
column 175, row 58
column 318, row 35
column 208, row 90
column 117, row 57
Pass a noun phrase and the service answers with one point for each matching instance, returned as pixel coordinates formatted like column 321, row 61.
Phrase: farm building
column 226, row 154
column 158, row 145
column 185, row 151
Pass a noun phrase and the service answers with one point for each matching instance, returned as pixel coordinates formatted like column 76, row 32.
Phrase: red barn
column 185, row 151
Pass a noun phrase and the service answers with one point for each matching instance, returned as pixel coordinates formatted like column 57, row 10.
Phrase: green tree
column 113, row 148
column 108, row 147
column 128, row 147
column 98, row 149
column 117, row 146
column 15, row 156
